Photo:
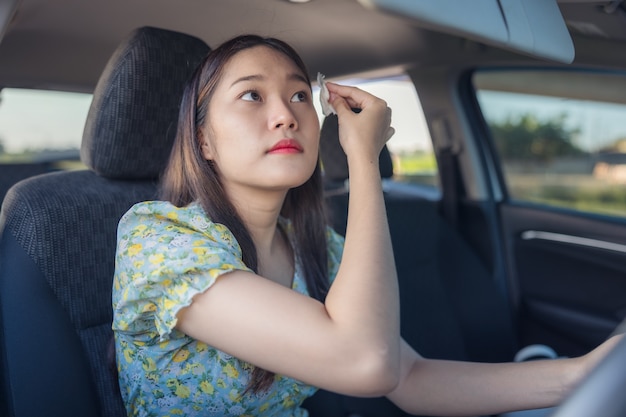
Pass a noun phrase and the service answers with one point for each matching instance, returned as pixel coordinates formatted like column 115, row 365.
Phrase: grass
column 415, row 163
column 577, row 192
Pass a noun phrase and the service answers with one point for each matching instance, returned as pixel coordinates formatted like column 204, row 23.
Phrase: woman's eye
column 299, row 97
column 251, row 96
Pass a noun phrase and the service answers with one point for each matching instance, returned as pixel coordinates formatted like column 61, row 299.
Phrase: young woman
column 231, row 296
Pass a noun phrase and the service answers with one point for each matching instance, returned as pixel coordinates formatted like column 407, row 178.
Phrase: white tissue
column 327, row 108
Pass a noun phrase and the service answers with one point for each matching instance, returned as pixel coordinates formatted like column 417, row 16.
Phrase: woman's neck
column 259, row 211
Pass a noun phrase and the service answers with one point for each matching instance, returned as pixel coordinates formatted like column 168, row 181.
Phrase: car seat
column 13, row 173
column 58, row 234
column 451, row 307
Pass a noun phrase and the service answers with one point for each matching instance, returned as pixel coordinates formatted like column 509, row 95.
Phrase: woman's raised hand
column 362, row 135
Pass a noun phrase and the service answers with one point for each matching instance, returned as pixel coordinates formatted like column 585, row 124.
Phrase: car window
column 560, row 136
column 40, row 132
column 40, row 125
column 411, row 146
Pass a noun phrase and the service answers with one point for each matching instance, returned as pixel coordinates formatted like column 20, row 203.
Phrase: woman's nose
column 282, row 116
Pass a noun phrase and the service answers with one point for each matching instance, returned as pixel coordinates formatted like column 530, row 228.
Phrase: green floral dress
column 165, row 256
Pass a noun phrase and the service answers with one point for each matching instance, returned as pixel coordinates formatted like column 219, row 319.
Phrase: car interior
column 483, row 273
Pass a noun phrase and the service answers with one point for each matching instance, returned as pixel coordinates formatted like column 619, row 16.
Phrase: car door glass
column 560, row 136
column 40, row 132
column 42, row 126
column 411, row 146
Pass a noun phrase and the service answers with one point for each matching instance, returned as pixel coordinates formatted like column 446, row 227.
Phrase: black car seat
column 58, row 234
column 451, row 307
column 13, row 173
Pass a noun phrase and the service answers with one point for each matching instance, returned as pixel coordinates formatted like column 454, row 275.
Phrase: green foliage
column 416, row 167
column 609, row 200
column 529, row 139
column 416, row 162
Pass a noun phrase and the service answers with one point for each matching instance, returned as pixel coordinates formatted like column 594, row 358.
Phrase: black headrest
column 334, row 158
column 131, row 124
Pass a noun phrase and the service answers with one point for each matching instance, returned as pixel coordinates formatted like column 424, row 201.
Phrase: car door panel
column 569, row 295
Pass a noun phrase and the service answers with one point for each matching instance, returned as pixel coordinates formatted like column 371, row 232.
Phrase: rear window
column 410, row 147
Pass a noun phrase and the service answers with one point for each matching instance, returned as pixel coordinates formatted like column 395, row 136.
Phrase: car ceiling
column 64, row 44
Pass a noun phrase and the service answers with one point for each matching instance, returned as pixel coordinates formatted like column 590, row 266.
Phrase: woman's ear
column 205, row 146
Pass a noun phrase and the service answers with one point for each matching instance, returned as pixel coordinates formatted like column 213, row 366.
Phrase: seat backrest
column 58, row 234
column 13, row 173
column 451, row 307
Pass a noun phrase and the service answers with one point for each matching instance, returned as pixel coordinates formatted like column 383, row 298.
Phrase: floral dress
column 165, row 256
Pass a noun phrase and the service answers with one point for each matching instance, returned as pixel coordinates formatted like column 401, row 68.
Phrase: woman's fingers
column 348, row 98
column 353, row 96
column 363, row 133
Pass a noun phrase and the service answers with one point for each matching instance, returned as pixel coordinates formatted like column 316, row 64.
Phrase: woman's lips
column 286, row 146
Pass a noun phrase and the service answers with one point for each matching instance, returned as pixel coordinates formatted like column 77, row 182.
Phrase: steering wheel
column 601, row 393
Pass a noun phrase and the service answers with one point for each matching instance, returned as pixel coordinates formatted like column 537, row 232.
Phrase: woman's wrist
column 574, row 372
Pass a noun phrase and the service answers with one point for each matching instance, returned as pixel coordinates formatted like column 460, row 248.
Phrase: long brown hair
column 189, row 177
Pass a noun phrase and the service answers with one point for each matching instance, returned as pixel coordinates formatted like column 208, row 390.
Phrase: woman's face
column 262, row 130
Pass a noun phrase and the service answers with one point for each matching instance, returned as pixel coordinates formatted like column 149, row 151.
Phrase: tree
column 529, row 139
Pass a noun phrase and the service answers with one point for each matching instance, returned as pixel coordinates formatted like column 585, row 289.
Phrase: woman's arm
column 367, row 271
column 449, row 388
column 350, row 344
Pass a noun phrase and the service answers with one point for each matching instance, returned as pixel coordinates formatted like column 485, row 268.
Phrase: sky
column 407, row 116
column 41, row 119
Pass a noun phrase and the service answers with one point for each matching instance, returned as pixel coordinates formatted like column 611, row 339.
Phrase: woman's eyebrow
column 298, row 77
column 254, row 77
column 258, row 77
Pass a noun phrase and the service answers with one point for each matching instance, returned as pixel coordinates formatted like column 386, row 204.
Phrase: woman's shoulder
column 164, row 215
column 164, row 209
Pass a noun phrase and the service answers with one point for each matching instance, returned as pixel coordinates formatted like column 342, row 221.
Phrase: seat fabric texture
column 450, row 305
column 13, row 173
column 58, row 234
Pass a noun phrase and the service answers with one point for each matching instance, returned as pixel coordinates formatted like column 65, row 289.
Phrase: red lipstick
column 286, row 146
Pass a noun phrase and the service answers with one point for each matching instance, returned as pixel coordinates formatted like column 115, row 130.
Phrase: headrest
column 131, row 124
column 334, row 158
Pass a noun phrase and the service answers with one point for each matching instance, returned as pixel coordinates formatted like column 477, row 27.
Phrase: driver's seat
column 58, row 235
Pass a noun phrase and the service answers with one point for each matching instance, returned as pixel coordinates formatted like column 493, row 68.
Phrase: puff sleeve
column 165, row 256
